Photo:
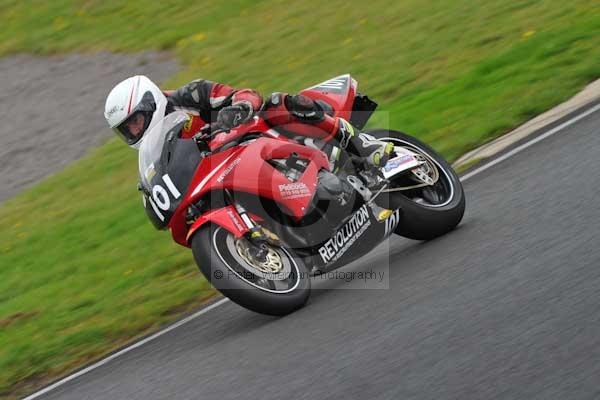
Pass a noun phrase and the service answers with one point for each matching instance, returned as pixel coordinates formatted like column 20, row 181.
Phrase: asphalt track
column 505, row 307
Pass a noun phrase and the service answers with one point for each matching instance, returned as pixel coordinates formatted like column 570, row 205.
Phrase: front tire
column 426, row 214
column 221, row 260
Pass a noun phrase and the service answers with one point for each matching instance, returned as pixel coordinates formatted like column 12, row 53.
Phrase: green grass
column 82, row 270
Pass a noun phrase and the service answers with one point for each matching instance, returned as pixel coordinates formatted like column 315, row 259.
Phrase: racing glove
column 234, row 115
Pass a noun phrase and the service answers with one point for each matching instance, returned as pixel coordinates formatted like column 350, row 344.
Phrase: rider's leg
column 286, row 111
column 282, row 109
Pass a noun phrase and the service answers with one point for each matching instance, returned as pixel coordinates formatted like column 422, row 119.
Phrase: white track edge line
column 476, row 171
column 531, row 142
column 125, row 350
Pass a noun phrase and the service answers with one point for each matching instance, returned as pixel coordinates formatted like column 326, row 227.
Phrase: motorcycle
column 263, row 209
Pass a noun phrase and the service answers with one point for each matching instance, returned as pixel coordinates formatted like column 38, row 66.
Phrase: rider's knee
column 304, row 108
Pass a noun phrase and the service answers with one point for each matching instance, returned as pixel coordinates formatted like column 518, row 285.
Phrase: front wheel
column 278, row 286
column 428, row 210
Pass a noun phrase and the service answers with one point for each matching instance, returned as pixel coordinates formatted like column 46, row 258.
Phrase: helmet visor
column 133, row 128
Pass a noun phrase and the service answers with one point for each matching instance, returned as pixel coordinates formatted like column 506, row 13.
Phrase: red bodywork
column 244, row 168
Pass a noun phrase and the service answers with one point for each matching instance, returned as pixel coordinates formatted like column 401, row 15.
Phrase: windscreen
column 153, row 144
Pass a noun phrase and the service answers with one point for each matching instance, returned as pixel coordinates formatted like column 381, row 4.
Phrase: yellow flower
column 59, row 23
column 528, row 34
column 198, row 37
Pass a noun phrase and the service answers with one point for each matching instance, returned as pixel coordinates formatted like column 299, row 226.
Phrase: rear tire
column 231, row 275
column 419, row 220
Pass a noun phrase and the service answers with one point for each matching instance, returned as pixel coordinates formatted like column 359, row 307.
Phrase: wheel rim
column 441, row 193
column 280, row 274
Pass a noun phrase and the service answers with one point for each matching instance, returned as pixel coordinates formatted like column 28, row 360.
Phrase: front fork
column 255, row 234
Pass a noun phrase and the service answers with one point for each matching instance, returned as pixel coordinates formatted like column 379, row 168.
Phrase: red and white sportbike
column 263, row 209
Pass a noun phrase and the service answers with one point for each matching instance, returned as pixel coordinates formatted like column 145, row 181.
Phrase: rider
column 136, row 104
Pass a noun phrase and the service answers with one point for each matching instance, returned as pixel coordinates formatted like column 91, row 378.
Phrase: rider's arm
column 206, row 96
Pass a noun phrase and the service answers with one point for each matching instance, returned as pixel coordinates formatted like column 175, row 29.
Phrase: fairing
column 245, row 168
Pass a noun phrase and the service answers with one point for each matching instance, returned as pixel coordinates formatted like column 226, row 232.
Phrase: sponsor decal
column 113, row 110
column 228, row 170
column 196, row 95
column 294, row 190
column 308, row 114
column 188, row 124
column 237, row 119
column 346, row 132
column 332, row 84
column 398, row 161
column 216, row 101
column 235, row 220
column 345, row 237
column 150, row 172
column 392, row 222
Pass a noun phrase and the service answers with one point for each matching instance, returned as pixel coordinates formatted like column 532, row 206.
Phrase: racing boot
column 374, row 152
column 377, row 151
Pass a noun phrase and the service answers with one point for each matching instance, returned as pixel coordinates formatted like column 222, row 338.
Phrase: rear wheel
column 277, row 286
column 429, row 209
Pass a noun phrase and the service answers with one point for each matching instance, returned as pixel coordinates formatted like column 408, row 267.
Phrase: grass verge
column 82, row 271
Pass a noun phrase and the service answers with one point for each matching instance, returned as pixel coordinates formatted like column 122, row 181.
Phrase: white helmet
column 133, row 107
